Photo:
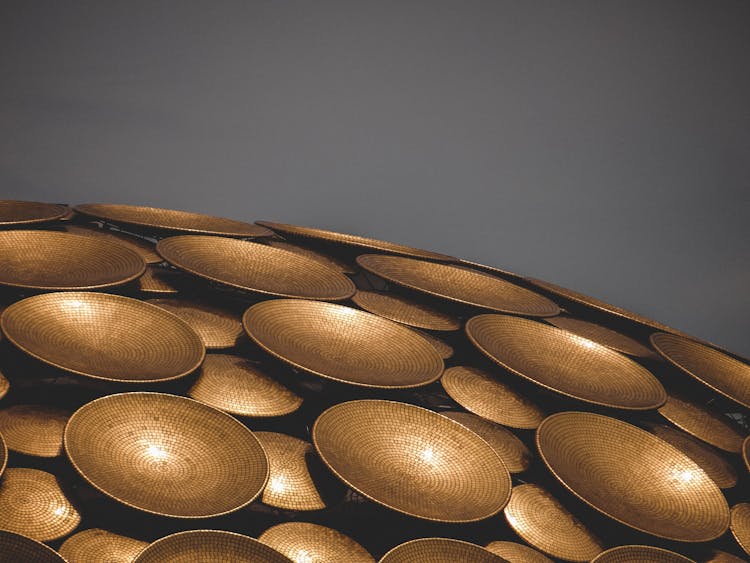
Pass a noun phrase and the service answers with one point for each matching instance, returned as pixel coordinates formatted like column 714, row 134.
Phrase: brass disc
column 170, row 220
column 405, row 311
column 439, row 550
column 51, row 260
column 486, row 396
column 412, row 460
column 640, row 554
column 740, row 525
column 512, row 451
column 238, row 386
column 632, row 476
column 17, row 547
column 516, row 552
column 255, row 267
column 209, row 546
column 746, row 452
column 35, row 430
column 104, row 336
column 443, row 349
column 4, row 383
column 159, row 281
column 166, row 455
column 697, row 420
column 563, row 362
column 33, row 504
column 95, row 545
column 718, row 556
column 491, row 270
column 145, row 248
column 217, row 325
column 343, row 344
column 458, row 284
column 325, row 259
column 305, row 542
column 602, row 335
column 542, row 521
column 3, row 454
column 21, row 213
column 290, row 485
column 355, row 241
column 721, row 373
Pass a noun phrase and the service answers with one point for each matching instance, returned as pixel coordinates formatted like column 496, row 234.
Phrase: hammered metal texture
column 51, row 260
column 439, row 550
column 486, row 396
column 443, row 349
column 640, row 554
column 632, row 476
column 166, row 455
column 603, row 335
column 541, row 520
column 219, row 327
column 209, row 546
column 740, row 525
column 170, row 220
column 97, row 546
column 254, row 267
column 33, row 504
column 159, row 281
column 491, row 270
column 458, row 284
column 104, row 336
column 405, row 311
column 412, row 460
column 343, row 344
column 563, row 362
column 305, row 542
column 145, row 248
column 35, row 430
column 325, row 259
column 238, row 386
column 17, row 548
column 516, row 552
column 21, row 213
column 721, row 373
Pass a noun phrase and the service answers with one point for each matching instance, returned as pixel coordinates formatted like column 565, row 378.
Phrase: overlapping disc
column 459, row 285
column 439, row 550
column 326, row 259
column 159, row 281
column 51, row 260
column 154, row 218
column 632, row 476
column 640, row 554
column 17, row 547
column 443, row 349
column 718, row 556
column 343, row 344
column 22, row 213
column 35, row 430
column 254, row 267
column 740, row 525
column 95, row 545
column 602, row 335
column 491, row 270
column 302, row 541
column 104, row 336
column 3, row 454
column 516, row 552
column 405, row 311
column 166, row 455
column 4, row 383
column 218, row 326
column 143, row 247
column 412, row 460
column 746, row 452
column 565, row 363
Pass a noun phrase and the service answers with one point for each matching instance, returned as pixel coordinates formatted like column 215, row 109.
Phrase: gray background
column 602, row 145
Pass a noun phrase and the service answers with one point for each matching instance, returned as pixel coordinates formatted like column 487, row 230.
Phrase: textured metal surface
column 632, row 476
column 254, row 267
column 746, row 452
column 218, row 326
column 104, row 336
column 459, row 285
column 443, row 349
column 3, row 454
column 51, row 260
column 15, row 548
column 35, row 430
column 159, row 281
column 21, row 213
column 145, row 248
column 4, row 383
column 326, row 259
column 718, row 556
column 304, row 542
column 402, row 310
column 640, row 554
column 166, row 455
column 603, row 335
column 516, row 552
column 97, row 546
column 740, row 525
column 343, row 344
column 412, row 460
column 563, row 362
column 439, row 550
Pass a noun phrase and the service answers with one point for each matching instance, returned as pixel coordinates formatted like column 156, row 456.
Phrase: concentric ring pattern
column 17, row 547
column 405, row 311
column 304, row 541
column 22, row 213
column 95, row 545
column 439, row 550
column 640, row 554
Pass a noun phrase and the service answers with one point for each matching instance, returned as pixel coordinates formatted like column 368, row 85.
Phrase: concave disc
column 35, row 430
column 459, row 284
column 632, row 476
column 516, row 552
column 159, row 281
column 166, row 455
column 640, row 554
column 439, row 550
column 405, row 311
column 565, row 363
column 145, row 248
column 218, row 326
column 740, row 525
column 95, row 545
column 104, row 336
column 602, row 335
column 17, row 547
column 302, row 541
column 51, row 260
column 343, row 344
column 19, row 213
column 325, row 259
column 254, row 267
column 412, row 460
column 443, row 349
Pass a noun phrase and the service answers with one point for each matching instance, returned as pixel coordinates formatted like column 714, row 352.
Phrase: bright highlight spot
column 277, row 484
column 156, row 452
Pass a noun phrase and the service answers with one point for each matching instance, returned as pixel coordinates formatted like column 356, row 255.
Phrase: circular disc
column 343, row 344
column 209, row 545
column 439, row 550
column 303, row 542
column 542, row 521
column 711, row 427
column 35, row 430
column 166, row 455
column 325, row 259
column 602, row 335
column 405, row 311
column 640, row 554
column 721, row 373
column 443, row 349
column 33, row 504
column 95, row 545
column 516, row 552
column 104, row 336
column 3, row 454
column 412, row 460
column 512, row 451
column 159, row 281
column 29, row 212
column 218, row 326
column 255, row 267
column 484, row 395
column 145, row 248
column 238, row 386
column 355, row 241
column 491, row 270
column 565, row 363
column 170, row 220
column 740, row 525
column 633, row 477
column 16, row 547
column 458, row 284
column 51, row 260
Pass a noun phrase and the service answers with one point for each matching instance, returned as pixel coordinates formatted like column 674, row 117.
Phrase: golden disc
column 305, row 542
column 326, row 259
column 35, row 430
column 740, row 525
column 640, row 554
column 159, row 281
column 95, row 545
column 218, row 326
column 746, row 452
column 405, row 311
column 439, row 550
column 23, row 213
column 15, row 548
column 602, row 335
column 145, row 248
column 718, row 556
column 516, row 552
column 492, row 271
column 4, row 383
column 443, row 349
